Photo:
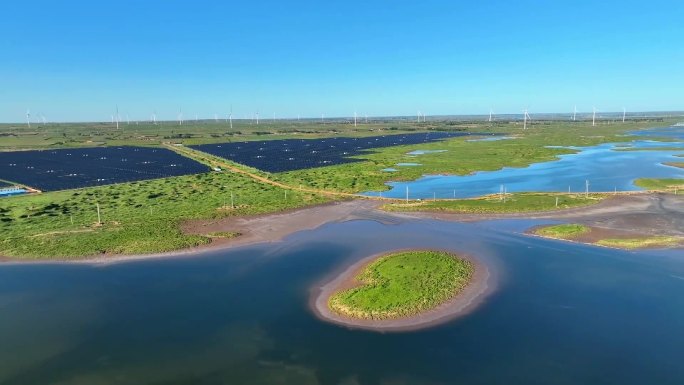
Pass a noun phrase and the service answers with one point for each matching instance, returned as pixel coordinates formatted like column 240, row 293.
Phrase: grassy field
column 143, row 217
column 139, row 217
column 642, row 242
column 564, row 231
column 513, row 203
column 61, row 135
column 659, row 184
column 404, row 284
column 461, row 156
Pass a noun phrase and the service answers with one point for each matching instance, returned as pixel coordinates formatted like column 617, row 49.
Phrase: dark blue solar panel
column 50, row 170
column 298, row 154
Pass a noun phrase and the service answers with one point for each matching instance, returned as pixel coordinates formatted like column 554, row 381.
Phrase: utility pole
column 586, row 188
column 99, row 219
column 406, row 194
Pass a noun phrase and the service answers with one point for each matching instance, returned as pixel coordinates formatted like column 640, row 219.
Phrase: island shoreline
column 482, row 284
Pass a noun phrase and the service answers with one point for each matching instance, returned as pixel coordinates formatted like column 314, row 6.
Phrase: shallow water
column 563, row 313
column 604, row 166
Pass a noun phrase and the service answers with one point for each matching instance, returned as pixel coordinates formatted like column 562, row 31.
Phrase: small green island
column 402, row 284
column 619, row 239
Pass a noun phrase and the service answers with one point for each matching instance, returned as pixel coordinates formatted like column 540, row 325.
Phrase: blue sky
column 76, row 60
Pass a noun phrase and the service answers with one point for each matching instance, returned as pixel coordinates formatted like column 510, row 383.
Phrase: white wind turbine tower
column 593, row 117
column 354, row 118
column 28, row 118
column 117, row 117
column 490, row 114
column 526, row 116
column 230, row 117
column 154, row 117
column 180, row 116
column 257, row 118
column 574, row 114
column 624, row 114
column 418, row 116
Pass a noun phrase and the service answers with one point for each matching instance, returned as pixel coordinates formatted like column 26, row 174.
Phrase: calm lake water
column 562, row 314
column 603, row 166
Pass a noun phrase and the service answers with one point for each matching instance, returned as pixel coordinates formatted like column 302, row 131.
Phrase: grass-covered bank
column 642, row 242
column 510, row 203
column 619, row 239
column 564, row 231
column 403, row 284
column 460, row 156
column 660, row 184
column 136, row 218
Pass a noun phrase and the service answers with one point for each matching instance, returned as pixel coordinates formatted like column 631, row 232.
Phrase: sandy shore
column 482, row 284
column 645, row 214
column 256, row 229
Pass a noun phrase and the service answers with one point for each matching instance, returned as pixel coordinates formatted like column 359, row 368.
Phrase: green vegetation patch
column 642, row 242
column 513, row 203
column 564, row 231
column 136, row 218
column 659, row 184
column 224, row 234
column 404, row 284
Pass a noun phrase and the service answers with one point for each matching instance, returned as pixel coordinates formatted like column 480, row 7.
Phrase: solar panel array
column 50, row 170
column 297, row 154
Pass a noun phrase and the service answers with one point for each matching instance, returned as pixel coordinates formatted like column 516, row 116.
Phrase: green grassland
column 564, row 231
column 67, row 135
column 404, row 284
column 140, row 217
column 659, row 184
column 143, row 217
column 513, row 203
column 642, row 242
column 461, row 157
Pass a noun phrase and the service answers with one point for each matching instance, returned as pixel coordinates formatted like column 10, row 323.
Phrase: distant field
column 298, row 154
column 63, row 169
column 460, row 156
column 144, row 217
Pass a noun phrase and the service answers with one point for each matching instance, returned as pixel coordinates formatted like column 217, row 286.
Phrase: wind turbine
column 624, row 113
column 354, row 118
column 257, row 118
column 526, row 116
column 180, row 116
column 230, row 117
column 593, row 118
column 28, row 118
column 117, row 117
column 574, row 114
column 43, row 119
column 490, row 114
column 418, row 116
